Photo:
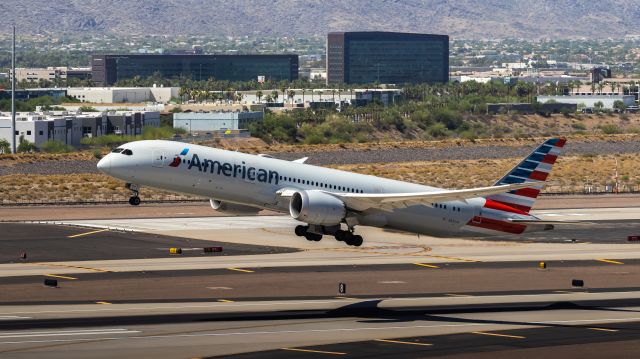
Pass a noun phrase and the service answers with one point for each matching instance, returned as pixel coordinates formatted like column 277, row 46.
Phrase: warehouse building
column 106, row 70
column 387, row 58
column 203, row 122
column 123, row 94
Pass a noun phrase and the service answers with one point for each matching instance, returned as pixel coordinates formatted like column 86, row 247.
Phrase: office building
column 589, row 101
column 109, row 69
column 387, row 58
column 51, row 73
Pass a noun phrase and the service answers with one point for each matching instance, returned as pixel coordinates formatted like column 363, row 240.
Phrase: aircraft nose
column 104, row 164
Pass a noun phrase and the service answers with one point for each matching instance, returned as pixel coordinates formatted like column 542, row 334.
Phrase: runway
column 272, row 294
column 345, row 326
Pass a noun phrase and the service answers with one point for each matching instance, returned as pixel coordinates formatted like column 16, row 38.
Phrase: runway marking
column 402, row 342
column 458, row 295
column 71, row 266
column 313, row 351
column 12, row 317
column 563, row 291
column 346, row 298
column 609, row 261
column 604, row 329
column 241, row 270
column 426, row 265
column 66, row 333
column 499, row 335
column 60, row 276
column 103, row 303
column 225, row 301
column 392, row 282
column 88, row 233
column 219, row 288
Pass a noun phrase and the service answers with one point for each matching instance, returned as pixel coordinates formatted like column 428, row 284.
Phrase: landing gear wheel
column 342, row 235
column 357, row 241
column 313, row 237
column 134, row 200
column 301, row 230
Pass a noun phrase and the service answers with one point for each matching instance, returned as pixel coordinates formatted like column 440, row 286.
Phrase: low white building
column 202, row 122
column 590, row 100
column 123, row 94
column 70, row 127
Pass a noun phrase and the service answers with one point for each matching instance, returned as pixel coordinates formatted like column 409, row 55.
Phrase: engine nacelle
column 232, row 208
column 316, row 207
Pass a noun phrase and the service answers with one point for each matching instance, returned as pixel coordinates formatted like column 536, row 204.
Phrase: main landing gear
column 134, row 200
column 343, row 236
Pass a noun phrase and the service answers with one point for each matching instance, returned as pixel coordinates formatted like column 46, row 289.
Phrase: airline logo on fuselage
column 233, row 170
column 177, row 160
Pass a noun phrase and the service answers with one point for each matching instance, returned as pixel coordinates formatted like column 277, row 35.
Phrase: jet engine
column 316, row 207
column 232, row 208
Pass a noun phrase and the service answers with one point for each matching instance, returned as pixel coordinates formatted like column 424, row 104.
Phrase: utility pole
column 13, row 92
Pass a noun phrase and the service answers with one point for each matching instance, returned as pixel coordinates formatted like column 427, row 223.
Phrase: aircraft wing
column 389, row 201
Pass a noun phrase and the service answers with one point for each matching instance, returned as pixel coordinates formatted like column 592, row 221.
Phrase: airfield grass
column 570, row 174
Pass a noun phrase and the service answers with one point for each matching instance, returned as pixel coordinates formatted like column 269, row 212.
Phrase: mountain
column 468, row 19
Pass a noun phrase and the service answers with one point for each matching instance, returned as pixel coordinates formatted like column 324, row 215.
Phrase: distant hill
column 470, row 19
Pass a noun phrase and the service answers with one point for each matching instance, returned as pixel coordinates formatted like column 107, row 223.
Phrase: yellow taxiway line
column 87, row 233
column 241, row 270
column 499, row 335
column 402, row 342
column 313, row 351
column 59, row 276
column 609, row 261
column 426, row 265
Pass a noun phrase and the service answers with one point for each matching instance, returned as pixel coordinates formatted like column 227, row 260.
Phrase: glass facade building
column 108, row 69
column 387, row 58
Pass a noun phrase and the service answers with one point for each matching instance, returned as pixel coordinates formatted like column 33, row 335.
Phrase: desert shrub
column 54, row 146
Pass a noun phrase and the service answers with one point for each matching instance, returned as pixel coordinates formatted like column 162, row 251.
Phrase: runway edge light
column 175, row 250
column 542, row 265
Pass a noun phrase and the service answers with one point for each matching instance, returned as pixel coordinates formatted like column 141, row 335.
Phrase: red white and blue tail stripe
column 535, row 168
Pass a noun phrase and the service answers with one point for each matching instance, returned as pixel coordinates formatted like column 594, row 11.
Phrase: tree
column 291, row 95
column 259, row 95
column 274, row 95
column 598, row 106
column 5, row 146
column 612, row 85
column 25, row 146
column 619, row 105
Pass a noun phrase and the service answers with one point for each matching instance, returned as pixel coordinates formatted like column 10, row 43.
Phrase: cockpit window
column 127, row 152
column 117, row 150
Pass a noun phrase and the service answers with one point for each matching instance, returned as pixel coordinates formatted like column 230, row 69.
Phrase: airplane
column 333, row 202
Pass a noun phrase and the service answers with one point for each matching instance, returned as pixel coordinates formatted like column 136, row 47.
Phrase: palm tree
column 303, row 91
column 600, row 87
column 593, row 88
column 259, row 95
column 274, row 95
column 291, row 95
column 612, row 85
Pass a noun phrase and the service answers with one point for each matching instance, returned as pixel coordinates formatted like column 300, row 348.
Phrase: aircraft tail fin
column 534, row 169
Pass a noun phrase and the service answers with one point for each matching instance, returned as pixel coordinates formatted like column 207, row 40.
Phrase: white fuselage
column 253, row 180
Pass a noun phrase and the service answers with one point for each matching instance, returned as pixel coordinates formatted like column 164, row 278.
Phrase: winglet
column 301, row 160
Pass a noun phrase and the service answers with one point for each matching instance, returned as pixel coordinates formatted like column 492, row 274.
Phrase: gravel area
column 51, row 167
column 348, row 156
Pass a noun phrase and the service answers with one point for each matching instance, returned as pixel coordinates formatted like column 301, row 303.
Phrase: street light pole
column 13, row 92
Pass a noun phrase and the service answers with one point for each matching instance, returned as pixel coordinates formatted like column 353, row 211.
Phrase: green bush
column 54, row 146
column 610, row 129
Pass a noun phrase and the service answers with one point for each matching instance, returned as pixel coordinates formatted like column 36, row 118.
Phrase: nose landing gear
column 134, row 200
